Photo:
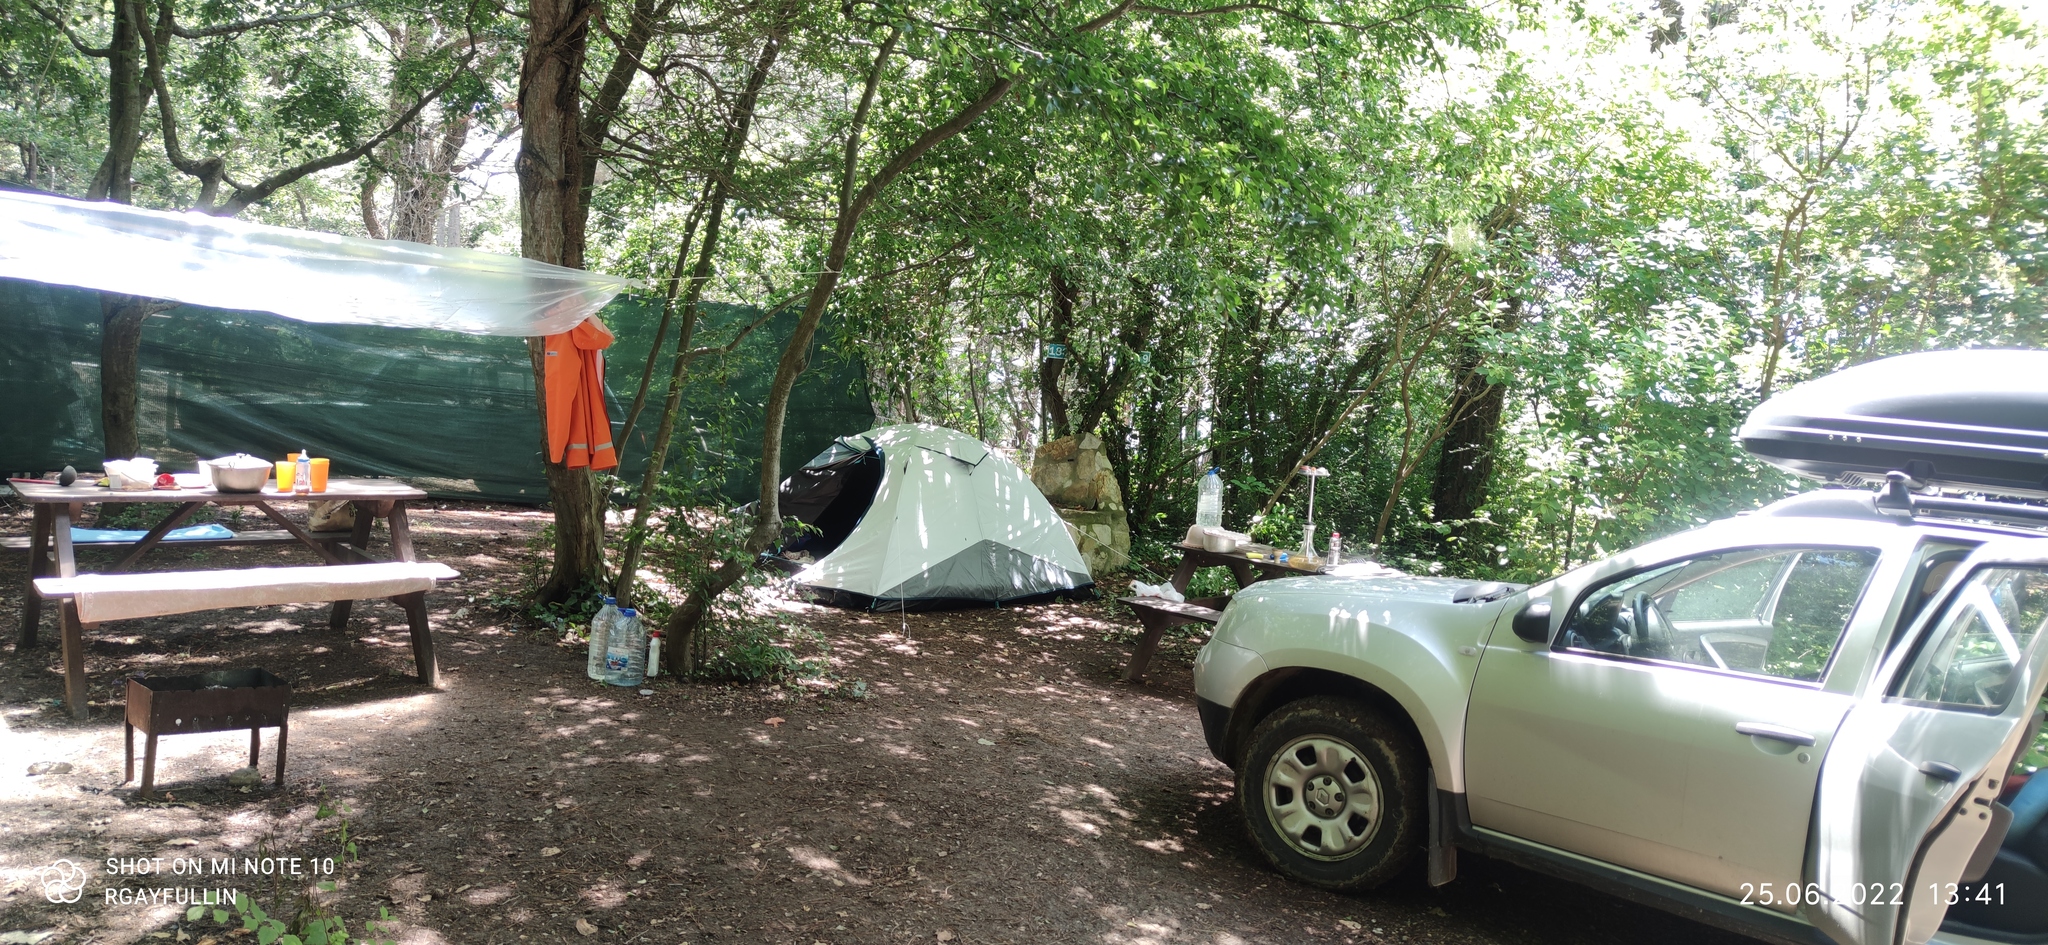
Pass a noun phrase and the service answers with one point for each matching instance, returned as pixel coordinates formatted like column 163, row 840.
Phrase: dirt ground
column 998, row 784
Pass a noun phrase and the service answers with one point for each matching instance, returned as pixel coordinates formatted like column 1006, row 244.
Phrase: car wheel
column 1333, row 793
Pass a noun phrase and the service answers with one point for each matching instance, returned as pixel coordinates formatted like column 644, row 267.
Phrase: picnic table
column 1157, row 614
column 349, row 571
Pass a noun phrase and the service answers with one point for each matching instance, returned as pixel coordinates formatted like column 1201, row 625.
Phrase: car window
column 1767, row 611
column 1932, row 576
column 1967, row 657
column 1735, row 592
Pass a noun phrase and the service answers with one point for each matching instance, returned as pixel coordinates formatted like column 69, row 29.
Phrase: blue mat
column 188, row 533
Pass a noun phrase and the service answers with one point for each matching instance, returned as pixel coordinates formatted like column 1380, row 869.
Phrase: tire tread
column 1402, row 770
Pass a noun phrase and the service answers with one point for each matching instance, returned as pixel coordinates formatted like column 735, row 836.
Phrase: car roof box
column 1973, row 420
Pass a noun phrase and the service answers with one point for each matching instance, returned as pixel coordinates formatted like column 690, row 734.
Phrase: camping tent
column 916, row 516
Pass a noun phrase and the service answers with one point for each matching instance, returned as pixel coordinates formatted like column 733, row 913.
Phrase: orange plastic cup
column 285, row 468
column 319, row 474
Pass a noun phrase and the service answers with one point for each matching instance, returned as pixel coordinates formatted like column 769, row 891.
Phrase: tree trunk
column 421, row 182
column 121, row 318
column 1051, row 402
column 1120, row 364
column 127, row 98
column 681, row 655
column 550, row 167
column 1464, row 466
column 796, row 354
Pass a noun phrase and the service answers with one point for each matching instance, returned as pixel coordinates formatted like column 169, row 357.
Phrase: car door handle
column 1940, row 770
column 1777, row 733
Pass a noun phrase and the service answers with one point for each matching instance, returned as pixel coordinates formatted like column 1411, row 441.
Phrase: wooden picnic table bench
column 1156, row 615
column 350, row 573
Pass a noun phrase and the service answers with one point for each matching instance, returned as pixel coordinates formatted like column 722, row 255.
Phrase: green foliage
column 310, row 927
column 753, row 652
column 1259, row 234
column 341, row 831
column 1212, row 582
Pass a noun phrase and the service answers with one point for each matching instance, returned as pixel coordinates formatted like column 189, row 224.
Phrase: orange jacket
column 579, row 430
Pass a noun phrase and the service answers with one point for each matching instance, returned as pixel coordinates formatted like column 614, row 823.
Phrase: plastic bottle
column 653, row 653
column 1209, row 505
column 1336, row 549
column 302, row 474
column 625, row 658
column 600, row 637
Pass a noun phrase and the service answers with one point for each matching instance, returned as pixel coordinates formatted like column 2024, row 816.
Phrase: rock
column 1102, row 536
column 1076, row 478
column 41, row 768
column 245, row 778
column 1061, row 450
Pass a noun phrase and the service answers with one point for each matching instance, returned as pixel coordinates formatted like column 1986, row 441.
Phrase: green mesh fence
column 454, row 413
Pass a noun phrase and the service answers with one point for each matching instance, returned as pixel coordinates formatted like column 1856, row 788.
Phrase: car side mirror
column 1533, row 622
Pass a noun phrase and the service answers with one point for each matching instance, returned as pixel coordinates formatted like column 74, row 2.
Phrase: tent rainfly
column 916, row 516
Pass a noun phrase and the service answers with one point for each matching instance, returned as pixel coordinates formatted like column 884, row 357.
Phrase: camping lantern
column 1308, row 527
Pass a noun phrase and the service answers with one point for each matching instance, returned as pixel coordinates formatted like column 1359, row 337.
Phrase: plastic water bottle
column 1336, row 549
column 302, row 474
column 625, row 658
column 1209, row 506
column 600, row 638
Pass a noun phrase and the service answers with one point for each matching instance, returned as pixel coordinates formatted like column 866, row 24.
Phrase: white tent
column 951, row 522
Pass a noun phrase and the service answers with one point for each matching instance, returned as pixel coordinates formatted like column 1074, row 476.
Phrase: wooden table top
column 338, row 489
column 1200, row 553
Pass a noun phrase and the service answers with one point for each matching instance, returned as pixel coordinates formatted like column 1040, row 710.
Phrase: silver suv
column 1803, row 719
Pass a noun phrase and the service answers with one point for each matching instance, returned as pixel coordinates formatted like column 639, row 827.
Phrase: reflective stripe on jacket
column 579, row 430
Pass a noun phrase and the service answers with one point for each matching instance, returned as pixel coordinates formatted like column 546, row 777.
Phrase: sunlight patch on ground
column 414, row 935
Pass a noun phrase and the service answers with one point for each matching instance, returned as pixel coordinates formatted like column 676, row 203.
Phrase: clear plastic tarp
column 301, row 275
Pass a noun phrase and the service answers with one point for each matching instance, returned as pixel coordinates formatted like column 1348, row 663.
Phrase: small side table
column 220, row 701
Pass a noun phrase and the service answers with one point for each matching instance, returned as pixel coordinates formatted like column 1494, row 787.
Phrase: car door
column 1676, row 723
column 1908, row 790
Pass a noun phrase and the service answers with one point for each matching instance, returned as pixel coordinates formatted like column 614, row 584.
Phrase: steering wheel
column 1653, row 631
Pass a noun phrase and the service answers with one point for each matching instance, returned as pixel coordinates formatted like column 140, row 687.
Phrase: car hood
column 1339, row 613
column 1384, row 588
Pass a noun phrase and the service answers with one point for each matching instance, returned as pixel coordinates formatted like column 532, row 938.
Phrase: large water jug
column 625, row 660
column 1209, row 506
column 600, row 638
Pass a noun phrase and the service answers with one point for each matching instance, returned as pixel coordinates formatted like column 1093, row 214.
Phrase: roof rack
column 1897, row 496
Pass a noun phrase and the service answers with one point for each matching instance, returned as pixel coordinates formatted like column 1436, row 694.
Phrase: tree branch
column 260, row 191
column 57, row 20
column 1290, row 14
column 860, row 118
column 231, row 29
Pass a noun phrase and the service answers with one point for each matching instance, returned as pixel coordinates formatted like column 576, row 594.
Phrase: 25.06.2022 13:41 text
column 1877, row 894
